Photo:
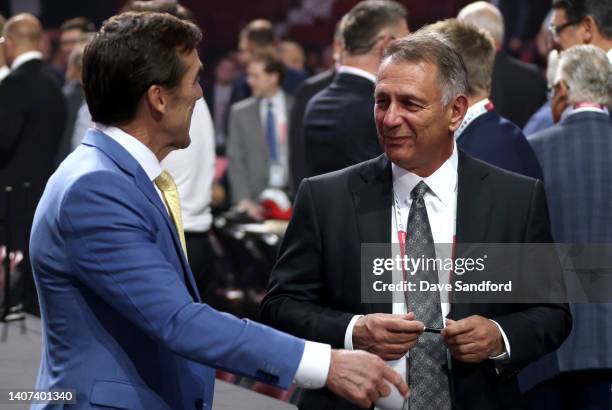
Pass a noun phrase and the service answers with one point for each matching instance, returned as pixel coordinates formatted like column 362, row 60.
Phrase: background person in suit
column 483, row 134
column 518, row 89
column 314, row 290
column 33, row 117
column 575, row 158
column 307, row 90
column 338, row 127
column 582, row 22
column 122, row 319
column 258, row 152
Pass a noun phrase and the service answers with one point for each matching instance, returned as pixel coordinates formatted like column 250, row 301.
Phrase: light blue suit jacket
column 122, row 320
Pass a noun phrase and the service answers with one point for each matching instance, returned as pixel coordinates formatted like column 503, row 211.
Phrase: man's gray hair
column 485, row 16
column 587, row 72
column 435, row 49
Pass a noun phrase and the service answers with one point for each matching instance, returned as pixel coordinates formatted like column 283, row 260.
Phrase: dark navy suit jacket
column 499, row 142
column 339, row 128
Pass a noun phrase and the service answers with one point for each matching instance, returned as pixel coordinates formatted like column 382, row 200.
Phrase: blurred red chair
column 226, row 376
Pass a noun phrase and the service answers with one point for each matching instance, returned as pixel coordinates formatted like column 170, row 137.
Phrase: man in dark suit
column 518, row 89
column 575, row 158
column 308, row 89
column 314, row 288
column 32, row 117
column 338, row 126
column 125, row 324
column 483, row 134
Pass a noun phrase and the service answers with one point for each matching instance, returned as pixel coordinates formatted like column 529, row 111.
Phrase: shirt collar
column 358, row 72
column 276, row 100
column 610, row 55
column 474, row 111
column 140, row 152
column 570, row 110
column 443, row 182
column 24, row 58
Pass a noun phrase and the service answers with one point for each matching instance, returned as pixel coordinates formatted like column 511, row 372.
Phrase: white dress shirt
column 4, row 71
column 314, row 364
column 358, row 72
column 24, row 58
column 474, row 111
column 441, row 204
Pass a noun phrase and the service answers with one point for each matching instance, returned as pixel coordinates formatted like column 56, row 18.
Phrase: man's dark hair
column 259, row 32
column 79, row 23
column 362, row 24
column 600, row 10
column 271, row 64
column 130, row 53
column 159, row 6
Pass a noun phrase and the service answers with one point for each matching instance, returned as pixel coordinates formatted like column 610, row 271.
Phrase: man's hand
column 362, row 378
column 473, row 339
column 252, row 209
column 387, row 336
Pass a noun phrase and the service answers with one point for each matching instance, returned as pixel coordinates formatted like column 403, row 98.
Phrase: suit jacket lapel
column 372, row 199
column 474, row 207
column 129, row 165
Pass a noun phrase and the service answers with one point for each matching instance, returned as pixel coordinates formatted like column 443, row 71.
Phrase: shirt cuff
column 314, row 365
column 506, row 354
column 348, row 336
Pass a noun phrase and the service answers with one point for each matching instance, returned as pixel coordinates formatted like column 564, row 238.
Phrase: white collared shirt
column 570, row 110
column 441, row 204
column 24, row 58
column 358, row 72
column 4, row 71
column 610, row 55
column 314, row 364
column 474, row 111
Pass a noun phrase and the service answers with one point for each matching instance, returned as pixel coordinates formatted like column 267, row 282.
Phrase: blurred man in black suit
column 338, row 126
column 518, row 89
column 32, row 120
column 308, row 89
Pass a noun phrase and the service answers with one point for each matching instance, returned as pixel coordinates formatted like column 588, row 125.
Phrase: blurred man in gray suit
column 258, row 149
column 575, row 159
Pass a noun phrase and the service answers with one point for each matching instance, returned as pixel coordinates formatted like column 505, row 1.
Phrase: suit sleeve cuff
column 314, row 365
column 506, row 354
column 348, row 335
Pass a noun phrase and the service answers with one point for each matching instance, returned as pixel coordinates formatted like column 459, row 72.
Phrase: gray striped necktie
column 426, row 376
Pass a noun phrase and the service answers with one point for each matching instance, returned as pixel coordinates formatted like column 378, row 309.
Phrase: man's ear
column 457, row 109
column 589, row 29
column 157, row 99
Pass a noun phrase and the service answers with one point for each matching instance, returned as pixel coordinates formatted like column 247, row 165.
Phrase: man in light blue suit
column 122, row 320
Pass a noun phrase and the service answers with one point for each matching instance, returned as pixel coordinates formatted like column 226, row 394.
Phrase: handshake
column 363, row 377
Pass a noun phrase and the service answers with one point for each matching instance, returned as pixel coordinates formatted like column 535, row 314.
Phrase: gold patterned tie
column 166, row 185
